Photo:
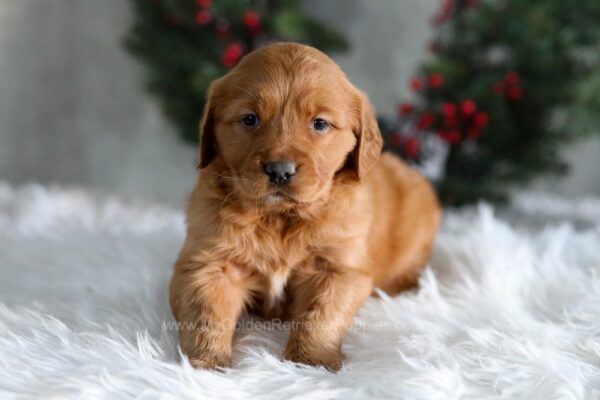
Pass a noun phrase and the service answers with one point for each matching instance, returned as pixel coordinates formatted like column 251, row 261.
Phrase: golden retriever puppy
column 295, row 212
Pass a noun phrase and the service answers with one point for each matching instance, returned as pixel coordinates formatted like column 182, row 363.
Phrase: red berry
column 411, row 147
column 232, row 54
column 468, row 107
column 498, row 88
column 405, row 108
column 435, row 80
column 395, row 139
column 252, row 21
column 449, row 109
column 204, row 3
column 481, row 118
column 450, row 136
column 203, row 17
column 426, row 120
column 512, row 78
column 515, row 93
column 416, row 84
column 450, row 121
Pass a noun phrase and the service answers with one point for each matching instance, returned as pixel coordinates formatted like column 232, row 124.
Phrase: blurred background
column 106, row 94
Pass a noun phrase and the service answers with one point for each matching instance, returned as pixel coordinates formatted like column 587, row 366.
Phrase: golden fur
column 311, row 251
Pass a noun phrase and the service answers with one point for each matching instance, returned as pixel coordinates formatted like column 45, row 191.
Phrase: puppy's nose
column 280, row 172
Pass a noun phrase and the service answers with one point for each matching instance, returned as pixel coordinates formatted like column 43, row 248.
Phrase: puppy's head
column 280, row 125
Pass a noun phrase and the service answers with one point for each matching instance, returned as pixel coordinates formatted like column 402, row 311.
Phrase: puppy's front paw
column 209, row 361
column 331, row 360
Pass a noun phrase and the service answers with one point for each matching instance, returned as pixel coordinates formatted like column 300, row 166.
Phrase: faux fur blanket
column 508, row 308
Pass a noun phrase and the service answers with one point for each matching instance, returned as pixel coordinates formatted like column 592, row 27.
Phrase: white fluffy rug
column 506, row 310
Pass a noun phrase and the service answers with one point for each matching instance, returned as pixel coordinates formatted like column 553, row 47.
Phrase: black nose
column 280, row 172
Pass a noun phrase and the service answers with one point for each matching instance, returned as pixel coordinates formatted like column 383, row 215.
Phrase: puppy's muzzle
column 280, row 172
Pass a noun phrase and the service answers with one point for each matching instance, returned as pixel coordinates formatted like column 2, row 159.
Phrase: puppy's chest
column 275, row 247
column 270, row 251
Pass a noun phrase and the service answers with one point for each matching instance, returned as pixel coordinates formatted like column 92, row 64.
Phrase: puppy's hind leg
column 407, row 270
column 406, row 280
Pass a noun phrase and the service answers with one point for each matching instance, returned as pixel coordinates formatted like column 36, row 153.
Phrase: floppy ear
column 208, row 143
column 369, row 141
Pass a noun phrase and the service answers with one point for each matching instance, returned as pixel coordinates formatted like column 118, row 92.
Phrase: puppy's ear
column 208, row 143
column 369, row 141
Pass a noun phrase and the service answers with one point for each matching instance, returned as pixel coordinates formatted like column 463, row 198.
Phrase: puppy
column 295, row 212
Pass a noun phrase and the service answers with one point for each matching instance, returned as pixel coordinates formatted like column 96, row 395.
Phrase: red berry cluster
column 509, row 86
column 435, row 80
column 460, row 121
column 233, row 50
column 453, row 123
column 410, row 146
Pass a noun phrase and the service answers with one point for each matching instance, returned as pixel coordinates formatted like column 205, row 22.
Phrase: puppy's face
column 282, row 123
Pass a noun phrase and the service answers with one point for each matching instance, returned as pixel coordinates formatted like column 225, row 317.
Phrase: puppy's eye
column 250, row 120
column 320, row 125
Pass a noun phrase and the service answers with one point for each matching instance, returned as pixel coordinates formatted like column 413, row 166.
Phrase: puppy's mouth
column 278, row 197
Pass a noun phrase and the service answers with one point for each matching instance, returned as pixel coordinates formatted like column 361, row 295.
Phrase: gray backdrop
column 73, row 110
